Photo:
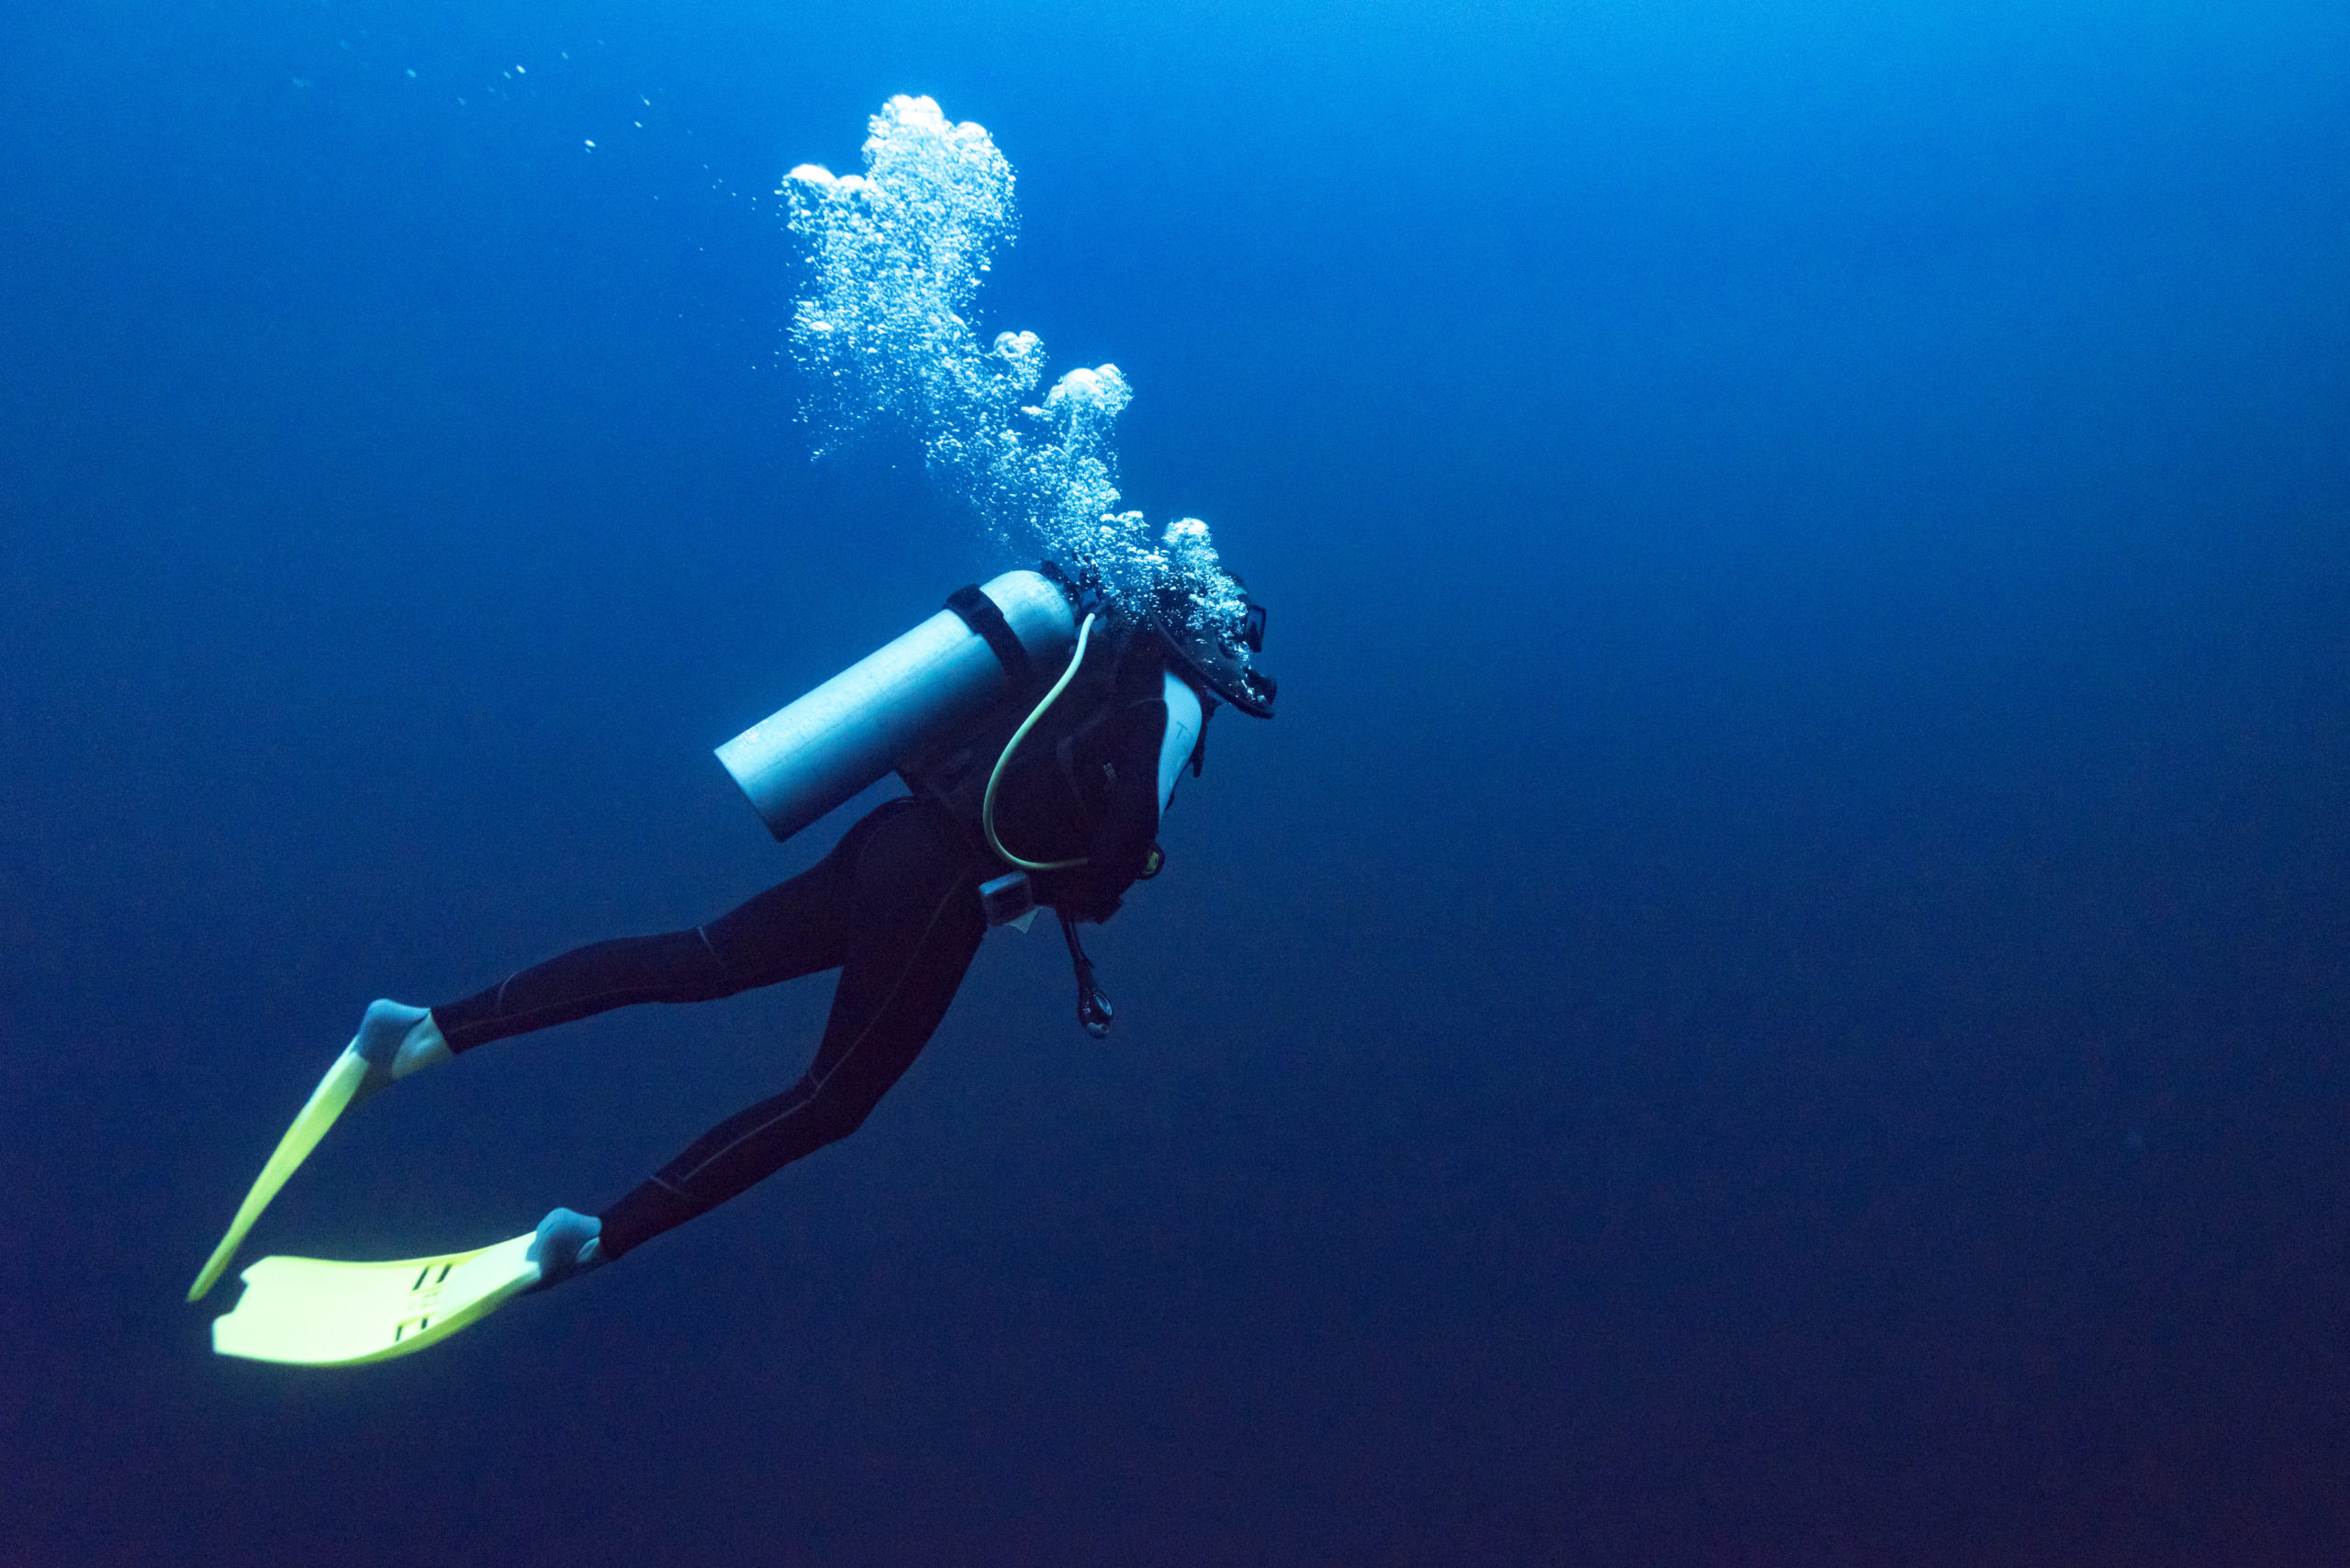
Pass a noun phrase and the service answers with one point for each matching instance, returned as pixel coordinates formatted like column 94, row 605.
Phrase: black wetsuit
column 894, row 907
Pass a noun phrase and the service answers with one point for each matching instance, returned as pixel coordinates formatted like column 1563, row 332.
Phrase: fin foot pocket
column 566, row 1244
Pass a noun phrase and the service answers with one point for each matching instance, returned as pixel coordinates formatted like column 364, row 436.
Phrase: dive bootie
column 394, row 1040
column 566, row 1245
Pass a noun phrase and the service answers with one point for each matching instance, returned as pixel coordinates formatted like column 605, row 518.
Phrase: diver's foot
column 568, row 1243
column 394, row 1040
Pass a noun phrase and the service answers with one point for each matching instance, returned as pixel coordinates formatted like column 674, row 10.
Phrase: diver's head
column 1214, row 656
column 1217, row 657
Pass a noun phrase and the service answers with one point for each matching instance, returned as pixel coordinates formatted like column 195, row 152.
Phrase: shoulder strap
column 980, row 614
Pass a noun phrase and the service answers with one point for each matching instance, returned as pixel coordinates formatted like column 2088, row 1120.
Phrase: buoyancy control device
column 946, row 705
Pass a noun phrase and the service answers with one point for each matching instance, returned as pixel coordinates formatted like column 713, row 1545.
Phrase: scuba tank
column 897, row 707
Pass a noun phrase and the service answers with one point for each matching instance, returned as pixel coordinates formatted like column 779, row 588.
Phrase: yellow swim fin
column 309, row 1311
column 326, row 1102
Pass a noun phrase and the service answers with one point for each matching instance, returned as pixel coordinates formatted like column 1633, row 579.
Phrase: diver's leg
column 914, row 926
column 675, row 966
column 794, row 928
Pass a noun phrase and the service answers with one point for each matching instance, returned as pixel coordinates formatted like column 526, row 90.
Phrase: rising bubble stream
column 896, row 258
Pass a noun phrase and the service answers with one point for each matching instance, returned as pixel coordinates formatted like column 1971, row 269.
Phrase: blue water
column 1775, row 995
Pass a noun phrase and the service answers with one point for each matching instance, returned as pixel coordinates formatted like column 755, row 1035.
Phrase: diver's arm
column 1150, row 741
column 1128, row 823
column 1186, row 719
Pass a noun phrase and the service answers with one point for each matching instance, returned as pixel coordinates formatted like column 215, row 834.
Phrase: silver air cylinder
column 896, row 706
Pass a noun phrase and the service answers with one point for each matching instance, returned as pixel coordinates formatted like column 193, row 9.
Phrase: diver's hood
column 1221, row 664
column 1218, row 662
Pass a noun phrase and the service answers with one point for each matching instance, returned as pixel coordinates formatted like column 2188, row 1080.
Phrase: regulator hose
column 987, row 807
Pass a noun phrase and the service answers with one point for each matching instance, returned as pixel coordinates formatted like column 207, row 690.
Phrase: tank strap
column 981, row 615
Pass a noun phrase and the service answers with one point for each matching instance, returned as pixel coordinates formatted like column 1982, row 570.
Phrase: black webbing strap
column 980, row 614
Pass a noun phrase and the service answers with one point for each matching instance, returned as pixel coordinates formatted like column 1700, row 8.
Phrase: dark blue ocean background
column 1776, row 994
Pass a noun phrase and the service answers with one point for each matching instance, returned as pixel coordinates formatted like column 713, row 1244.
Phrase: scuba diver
column 1041, row 729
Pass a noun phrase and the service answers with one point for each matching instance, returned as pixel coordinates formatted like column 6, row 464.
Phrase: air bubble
column 896, row 255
